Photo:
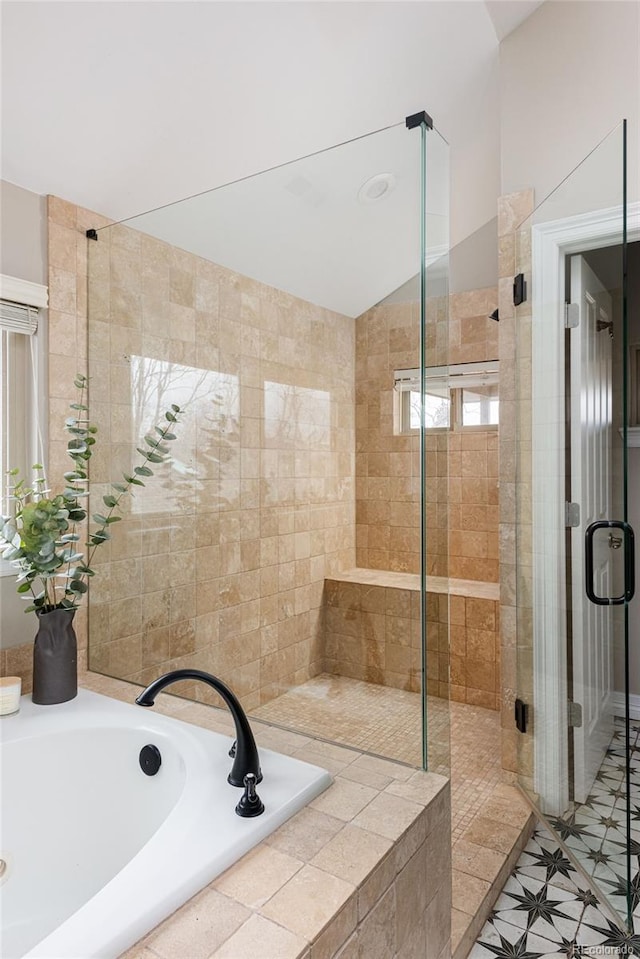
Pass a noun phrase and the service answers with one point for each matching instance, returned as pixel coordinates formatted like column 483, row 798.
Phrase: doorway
column 575, row 575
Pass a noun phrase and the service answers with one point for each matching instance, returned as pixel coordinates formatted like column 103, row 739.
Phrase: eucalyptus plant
column 41, row 536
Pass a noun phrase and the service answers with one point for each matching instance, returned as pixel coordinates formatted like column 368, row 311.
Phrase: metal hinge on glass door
column 571, row 315
column 572, row 514
column 575, row 715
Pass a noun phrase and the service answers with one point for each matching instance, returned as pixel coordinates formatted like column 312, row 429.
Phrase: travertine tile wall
column 388, row 466
column 373, row 634
column 462, row 468
column 516, row 625
column 224, row 572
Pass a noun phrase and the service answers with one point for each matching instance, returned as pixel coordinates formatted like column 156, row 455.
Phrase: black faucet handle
column 250, row 804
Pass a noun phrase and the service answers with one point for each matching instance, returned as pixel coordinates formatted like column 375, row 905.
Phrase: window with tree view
column 460, row 397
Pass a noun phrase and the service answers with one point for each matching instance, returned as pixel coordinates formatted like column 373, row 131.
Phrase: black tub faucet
column 246, row 759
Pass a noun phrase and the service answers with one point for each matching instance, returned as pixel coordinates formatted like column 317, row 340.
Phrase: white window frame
column 452, row 379
column 23, row 391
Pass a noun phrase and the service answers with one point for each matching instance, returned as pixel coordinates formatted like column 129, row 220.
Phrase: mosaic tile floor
column 595, row 832
column 386, row 722
column 545, row 910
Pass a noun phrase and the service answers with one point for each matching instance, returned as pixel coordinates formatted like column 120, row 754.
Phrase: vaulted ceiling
column 123, row 107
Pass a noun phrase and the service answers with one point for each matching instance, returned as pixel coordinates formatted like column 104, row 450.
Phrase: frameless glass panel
column 281, row 549
column 435, row 452
column 574, row 543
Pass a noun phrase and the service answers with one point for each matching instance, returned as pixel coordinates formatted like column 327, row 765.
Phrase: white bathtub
column 97, row 853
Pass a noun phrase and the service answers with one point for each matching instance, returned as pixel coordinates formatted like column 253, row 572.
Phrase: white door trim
column 551, row 243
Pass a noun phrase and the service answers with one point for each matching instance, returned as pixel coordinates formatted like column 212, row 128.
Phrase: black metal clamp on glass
column 629, row 562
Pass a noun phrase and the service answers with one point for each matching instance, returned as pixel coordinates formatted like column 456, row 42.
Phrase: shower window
column 460, row 397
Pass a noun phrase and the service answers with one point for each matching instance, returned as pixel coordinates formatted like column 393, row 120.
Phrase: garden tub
column 95, row 851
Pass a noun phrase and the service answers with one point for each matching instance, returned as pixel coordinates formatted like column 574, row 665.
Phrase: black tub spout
column 246, row 759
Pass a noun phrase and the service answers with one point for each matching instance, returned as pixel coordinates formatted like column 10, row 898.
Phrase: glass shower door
column 575, row 546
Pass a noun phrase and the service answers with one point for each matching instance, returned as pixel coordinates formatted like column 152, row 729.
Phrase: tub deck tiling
column 371, row 853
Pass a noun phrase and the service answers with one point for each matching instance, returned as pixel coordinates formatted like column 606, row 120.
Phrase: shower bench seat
column 372, row 633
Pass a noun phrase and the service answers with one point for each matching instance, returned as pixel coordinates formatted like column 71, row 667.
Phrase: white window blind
column 455, row 377
column 18, row 317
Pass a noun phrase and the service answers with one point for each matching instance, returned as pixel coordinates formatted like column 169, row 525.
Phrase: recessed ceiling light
column 376, row 187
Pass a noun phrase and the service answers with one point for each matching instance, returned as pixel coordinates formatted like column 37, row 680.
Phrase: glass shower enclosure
column 577, row 667
column 286, row 548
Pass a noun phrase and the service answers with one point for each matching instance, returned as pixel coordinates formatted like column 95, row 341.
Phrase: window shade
column 18, row 318
column 455, row 377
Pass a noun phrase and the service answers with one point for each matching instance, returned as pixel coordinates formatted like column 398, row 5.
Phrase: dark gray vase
column 55, row 658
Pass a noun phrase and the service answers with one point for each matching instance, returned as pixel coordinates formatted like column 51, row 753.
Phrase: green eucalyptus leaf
column 24, row 588
column 143, row 471
column 110, row 501
column 99, row 519
column 171, row 417
column 77, row 586
column 113, row 519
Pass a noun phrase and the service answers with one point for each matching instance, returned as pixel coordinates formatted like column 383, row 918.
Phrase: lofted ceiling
column 123, row 107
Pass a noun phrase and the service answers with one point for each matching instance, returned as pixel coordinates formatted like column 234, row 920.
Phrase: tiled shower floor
column 386, row 721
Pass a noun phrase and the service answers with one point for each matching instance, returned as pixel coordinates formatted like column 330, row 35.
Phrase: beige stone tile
column 459, row 926
column 337, row 933
column 388, row 815
column 199, row 927
column 308, row 901
column 385, row 767
column 415, row 944
column 438, row 922
column 421, row 788
column 468, row 892
column 139, row 951
column 351, row 949
column 257, row 876
column 377, row 932
column 262, row 938
column 352, row 854
column 513, row 809
column 304, row 835
column 411, row 895
column 476, row 860
column 492, row 834
column 344, row 800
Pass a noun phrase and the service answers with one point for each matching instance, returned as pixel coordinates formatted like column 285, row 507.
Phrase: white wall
column 568, row 75
column 23, row 253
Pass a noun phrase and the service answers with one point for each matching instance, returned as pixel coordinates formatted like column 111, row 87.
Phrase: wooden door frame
column 551, row 243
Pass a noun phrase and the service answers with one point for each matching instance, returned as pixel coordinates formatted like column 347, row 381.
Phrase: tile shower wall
column 223, row 569
column 463, row 508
